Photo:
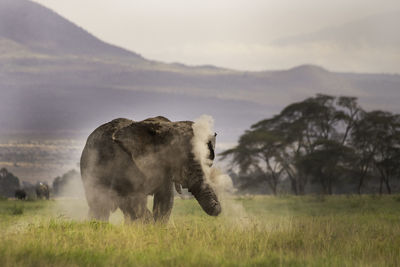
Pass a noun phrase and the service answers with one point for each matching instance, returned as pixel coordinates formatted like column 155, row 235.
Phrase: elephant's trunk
column 206, row 197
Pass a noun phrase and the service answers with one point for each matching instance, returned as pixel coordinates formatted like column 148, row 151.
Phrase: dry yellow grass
column 254, row 231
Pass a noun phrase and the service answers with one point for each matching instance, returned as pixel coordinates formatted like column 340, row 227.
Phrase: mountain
column 58, row 79
column 41, row 30
column 374, row 31
column 369, row 44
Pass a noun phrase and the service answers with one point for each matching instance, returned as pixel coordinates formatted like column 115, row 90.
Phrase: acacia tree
column 327, row 163
column 306, row 125
column 388, row 167
column 376, row 138
column 321, row 139
column 329, row 155
column 8, row 183
column 350, row 112
column 289, row 128
column 259, row 152
column 363, row 139
column 386, row 159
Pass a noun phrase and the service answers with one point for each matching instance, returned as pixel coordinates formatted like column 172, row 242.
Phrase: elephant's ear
column 140, row 138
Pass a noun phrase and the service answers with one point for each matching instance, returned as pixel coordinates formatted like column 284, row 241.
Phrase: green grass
column 253, row 231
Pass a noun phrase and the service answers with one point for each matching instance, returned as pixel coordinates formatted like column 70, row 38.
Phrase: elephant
column 42, row 191
column 20, row 194
column 123, row 162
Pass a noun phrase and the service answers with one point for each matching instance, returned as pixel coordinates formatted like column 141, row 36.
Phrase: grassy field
column 253, row 231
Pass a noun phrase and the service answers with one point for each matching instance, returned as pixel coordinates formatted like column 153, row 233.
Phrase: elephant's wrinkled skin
column 125, row 161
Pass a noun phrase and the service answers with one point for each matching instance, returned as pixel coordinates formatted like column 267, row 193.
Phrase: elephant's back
column 105, row 132
column 99, row 145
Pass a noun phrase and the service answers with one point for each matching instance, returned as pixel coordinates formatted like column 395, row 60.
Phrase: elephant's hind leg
column 135, row 208
column 100, row 206
column 99, row 213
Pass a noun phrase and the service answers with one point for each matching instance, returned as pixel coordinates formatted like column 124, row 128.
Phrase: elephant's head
column 172, row 144
column 201, row 154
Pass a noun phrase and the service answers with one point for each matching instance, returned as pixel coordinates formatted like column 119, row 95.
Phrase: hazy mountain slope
column 42, row 30
column 57, row 80
column 377, row 30
column 55, row 77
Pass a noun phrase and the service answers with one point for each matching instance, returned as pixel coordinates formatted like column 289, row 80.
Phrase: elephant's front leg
column 163, row 202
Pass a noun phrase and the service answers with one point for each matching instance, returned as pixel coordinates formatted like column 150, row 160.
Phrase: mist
column 239, row 34
column 300, row 145
column 232, row 211
column 71, row 200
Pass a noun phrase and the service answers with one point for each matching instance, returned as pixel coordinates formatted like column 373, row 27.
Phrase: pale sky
column 234, row 33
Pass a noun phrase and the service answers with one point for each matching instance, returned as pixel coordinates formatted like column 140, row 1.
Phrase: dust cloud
column 70, row 200
column 203, row 129
column 72, row 204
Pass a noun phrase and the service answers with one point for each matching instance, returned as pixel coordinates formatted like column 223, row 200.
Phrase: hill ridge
column 44, row 31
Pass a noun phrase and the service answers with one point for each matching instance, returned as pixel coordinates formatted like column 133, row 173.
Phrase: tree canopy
column 323, row 140
column 8, row 183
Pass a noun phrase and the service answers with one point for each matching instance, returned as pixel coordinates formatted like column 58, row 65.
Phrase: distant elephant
column 20, row 194
column 125, row 161
column 42, row 191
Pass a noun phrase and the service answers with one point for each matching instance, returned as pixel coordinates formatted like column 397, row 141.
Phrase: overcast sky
column 236, row 33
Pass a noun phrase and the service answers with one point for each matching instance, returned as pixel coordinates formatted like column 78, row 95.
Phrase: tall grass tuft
column 16, row 209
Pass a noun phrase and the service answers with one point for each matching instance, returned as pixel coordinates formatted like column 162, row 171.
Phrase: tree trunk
column 360, row 185
column 384, row 178
column 330, row 186
column 323, row 185
column 389, row 190
column 274, row 189
column 272, row 185
column 361, row 181
column 293, row 185
column 301, row 186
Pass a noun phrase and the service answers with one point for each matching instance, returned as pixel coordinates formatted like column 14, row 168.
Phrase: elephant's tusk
column 178, row 188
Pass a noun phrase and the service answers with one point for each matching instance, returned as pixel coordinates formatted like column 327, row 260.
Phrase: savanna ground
column 254, row 231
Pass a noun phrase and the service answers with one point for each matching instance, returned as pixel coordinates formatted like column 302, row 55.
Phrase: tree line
column 67, row 185
column 324, row 141
column 10, row 186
